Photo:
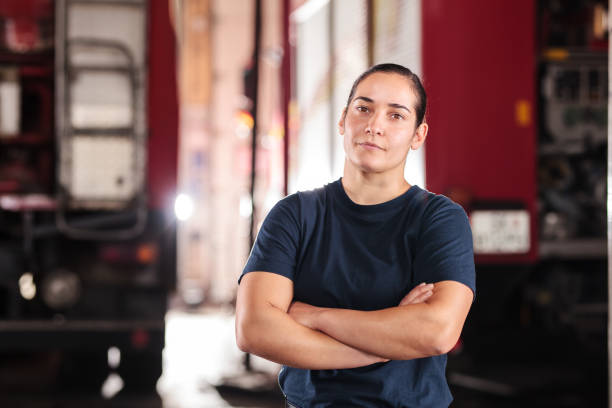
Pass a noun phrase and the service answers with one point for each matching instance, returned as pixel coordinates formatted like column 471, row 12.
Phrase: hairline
column 391, row 68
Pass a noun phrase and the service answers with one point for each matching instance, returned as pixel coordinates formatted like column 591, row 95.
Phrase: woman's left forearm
column 399, row 333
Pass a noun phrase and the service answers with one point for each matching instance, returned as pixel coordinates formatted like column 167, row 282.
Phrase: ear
column 341, row 122
column 419, row 136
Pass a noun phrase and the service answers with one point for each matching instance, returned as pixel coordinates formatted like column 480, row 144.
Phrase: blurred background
column 142, row 143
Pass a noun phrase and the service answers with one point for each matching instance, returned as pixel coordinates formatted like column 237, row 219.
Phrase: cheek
column 402, row 140
column 354, row 122
column 400, row 147
column 347, row 143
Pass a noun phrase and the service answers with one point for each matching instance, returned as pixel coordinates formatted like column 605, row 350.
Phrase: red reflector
column 110, row 254
column 146, row 253
column 129, row 254
column 140, row 339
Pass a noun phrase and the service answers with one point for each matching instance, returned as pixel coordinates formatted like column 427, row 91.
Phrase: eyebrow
column 393, row 105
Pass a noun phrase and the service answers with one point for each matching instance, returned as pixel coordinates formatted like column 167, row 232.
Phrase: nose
column 374, row 125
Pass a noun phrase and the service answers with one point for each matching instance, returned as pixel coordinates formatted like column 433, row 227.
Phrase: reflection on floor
column 203, row 367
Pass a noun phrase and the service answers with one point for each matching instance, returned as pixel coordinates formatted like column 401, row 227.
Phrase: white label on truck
column 500, row 231
column 102, row 168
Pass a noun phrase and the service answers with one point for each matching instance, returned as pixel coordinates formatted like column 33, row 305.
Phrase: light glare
column 111, row 386
column 246, row 206
column 114, row 357
column 27, row 288
column 183, row 207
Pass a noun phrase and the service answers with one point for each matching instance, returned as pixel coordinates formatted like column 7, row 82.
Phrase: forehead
column 387, row 88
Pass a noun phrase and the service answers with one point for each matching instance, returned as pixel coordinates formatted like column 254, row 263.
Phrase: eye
column 362, row 108
column 396, row 116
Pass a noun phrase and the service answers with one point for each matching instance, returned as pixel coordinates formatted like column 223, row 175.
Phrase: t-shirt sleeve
column 444, row 248
column 276, row 247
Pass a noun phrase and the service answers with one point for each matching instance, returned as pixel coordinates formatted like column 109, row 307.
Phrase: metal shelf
column 27, row 202
column 34, row 58
column 580, row 248
column 551, row 149
column 26, row 139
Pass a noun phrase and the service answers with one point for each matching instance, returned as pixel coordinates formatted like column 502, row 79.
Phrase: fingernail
column 422, row 283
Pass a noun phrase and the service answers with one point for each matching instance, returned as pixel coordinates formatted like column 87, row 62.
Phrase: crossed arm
column 427, row 322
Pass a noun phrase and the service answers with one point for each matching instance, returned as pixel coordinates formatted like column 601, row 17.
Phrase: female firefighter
column 361, row 287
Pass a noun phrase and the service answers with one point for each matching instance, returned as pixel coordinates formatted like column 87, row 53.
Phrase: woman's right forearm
column 272, row 334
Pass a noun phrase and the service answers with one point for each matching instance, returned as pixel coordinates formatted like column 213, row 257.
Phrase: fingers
column 303, row 313
column 422, row 297
column 418, row 294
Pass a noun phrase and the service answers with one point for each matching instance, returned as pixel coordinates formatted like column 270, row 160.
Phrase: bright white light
column 27, row 288
column 246, row 206
column 114, row 357
column 112, row 385
column 183, row 207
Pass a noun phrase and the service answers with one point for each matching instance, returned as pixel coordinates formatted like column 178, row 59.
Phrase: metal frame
column 137, row 131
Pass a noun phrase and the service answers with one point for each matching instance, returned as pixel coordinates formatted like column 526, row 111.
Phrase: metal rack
column 100, row 110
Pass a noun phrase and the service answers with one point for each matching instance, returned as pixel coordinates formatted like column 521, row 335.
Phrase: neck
column 372, row 188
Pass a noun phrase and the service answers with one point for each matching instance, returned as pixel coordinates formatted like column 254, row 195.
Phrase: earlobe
column 420, row 136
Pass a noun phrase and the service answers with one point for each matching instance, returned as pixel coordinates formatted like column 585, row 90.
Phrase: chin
column 374, row 166
column 369, row 167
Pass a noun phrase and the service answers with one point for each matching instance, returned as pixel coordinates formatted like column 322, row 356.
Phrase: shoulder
column 315, row 196
column 435, row 204
column 439, row 211
column 301, row 204
column 311, row 201
column 286, row 206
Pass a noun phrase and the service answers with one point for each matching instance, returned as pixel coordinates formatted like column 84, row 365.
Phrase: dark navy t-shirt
column 365, row 257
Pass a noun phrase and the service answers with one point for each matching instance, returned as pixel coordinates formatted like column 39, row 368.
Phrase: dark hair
column 417, row 86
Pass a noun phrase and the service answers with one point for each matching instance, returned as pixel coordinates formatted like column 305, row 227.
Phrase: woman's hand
column 304, row 314
column 307, row 315
column 418, row 294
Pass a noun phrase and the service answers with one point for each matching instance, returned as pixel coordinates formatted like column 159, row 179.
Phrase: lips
column 370, row 146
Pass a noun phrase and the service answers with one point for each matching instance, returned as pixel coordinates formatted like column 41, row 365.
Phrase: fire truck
column 88, row 156
column 518, row 115
column 517, row 109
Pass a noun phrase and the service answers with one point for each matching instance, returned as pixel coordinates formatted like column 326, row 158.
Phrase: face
column 379, row 125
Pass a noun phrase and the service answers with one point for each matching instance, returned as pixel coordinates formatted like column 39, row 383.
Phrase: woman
column 361, row 287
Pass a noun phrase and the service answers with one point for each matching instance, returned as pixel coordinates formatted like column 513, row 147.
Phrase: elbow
column 443, row 342
column 242, row 342
column 431, row 344
column 244, row 335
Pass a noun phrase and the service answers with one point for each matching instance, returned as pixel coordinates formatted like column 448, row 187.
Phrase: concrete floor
column 203, row 367
column 202, row 363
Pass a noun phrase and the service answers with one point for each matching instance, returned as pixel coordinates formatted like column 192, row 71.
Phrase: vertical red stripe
column 162, row 108
column 478, row 62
